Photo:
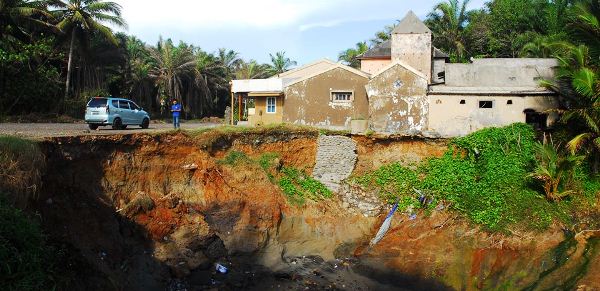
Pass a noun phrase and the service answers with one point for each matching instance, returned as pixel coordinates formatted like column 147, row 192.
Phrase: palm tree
column 17, row 15
column 171, row 67
column 80, row 18
column 448, row 21
column 350, row 56
column 139, row 83
column 384, row 35
column 229, row 59
column 251, row 70
column 554, row 170
column 280, row 63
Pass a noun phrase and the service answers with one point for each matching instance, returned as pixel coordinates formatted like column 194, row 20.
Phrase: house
column 323, row 93
column 406, row 86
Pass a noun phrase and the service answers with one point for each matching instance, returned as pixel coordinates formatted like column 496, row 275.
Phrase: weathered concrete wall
column 309, row 102
column 261, row 117
column 500, row 73
column 449, row 118
column 439, row 66
column 414, row 50
column 336, row 158
column 398, row 101
column 373, row 66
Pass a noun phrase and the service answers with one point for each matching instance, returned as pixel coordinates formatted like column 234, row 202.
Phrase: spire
column 411, row 24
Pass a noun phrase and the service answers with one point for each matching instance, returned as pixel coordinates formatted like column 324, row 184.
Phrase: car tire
column 117, row 124
column 93, row 126
column 145, row 123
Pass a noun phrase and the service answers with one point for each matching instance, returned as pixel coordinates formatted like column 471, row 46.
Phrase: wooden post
column 231, row 122
column 240, row 108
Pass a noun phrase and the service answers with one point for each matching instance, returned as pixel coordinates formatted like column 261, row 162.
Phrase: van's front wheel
column 145, row 123
column 117, row 124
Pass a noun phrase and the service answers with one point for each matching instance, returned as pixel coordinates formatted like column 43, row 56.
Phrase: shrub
column 22, row 263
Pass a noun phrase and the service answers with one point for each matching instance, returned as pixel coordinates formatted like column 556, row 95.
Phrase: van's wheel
column 123, row 126
column 93, row 126
column 117, row 124
column 145, row 123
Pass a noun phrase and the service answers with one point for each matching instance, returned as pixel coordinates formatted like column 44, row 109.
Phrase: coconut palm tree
column 384, row 35
column 172, row 66
column 18, row 15
column 280, row 63
column 350, row 56
column 251, row 70
column 554, row 170
column 448, row 21
column 80, row 18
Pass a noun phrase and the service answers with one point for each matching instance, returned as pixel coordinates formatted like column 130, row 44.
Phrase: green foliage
column 23, row 264
column 234, row 158
column 298, row 186
column 554, row 170
column 482, row 175
column 267, row 163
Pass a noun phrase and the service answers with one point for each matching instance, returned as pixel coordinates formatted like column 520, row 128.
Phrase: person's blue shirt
column 176, row 109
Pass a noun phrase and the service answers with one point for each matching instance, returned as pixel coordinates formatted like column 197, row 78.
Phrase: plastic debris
column 221, row 269
column 412, row 216
column 385, row 226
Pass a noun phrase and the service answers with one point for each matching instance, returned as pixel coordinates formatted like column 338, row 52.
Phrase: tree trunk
column 68, row 83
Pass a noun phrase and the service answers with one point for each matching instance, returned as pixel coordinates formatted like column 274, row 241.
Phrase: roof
column 411, row 24
column 289, row 82
column 437, row 53
column 525, row 91
column 402, row 64
column 380, row 51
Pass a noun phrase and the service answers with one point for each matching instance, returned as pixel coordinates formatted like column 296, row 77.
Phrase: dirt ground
column 42, row 130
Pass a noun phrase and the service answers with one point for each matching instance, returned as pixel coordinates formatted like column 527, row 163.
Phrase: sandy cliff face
column 143, row 210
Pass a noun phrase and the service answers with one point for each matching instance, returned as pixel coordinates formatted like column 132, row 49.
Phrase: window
column 115, row 103
column 509, row 102
column 133, row 106
column 341, row 96
column 123, row 104
column 463, row 102
column 486, row 104
column 97, row 102
column 271, row 105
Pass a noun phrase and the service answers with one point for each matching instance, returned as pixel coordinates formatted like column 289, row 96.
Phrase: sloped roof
column 402, row 64
column 411, row 24
column 382, row 50
column 289, row 82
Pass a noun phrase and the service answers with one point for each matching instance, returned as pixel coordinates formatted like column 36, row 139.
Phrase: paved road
column 42, row 130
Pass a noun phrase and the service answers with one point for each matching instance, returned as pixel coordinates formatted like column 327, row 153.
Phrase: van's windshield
column 97, row 102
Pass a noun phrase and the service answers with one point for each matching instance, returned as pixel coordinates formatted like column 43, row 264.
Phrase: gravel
column 43, row 130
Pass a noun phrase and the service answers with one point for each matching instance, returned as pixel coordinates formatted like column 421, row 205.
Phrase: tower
column 412, row 44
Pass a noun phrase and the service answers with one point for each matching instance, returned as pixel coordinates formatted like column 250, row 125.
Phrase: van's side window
column 133, row 106
column 115, row 103
column 123, row 104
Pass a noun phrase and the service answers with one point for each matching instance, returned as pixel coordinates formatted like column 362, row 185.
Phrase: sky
column 307, row 30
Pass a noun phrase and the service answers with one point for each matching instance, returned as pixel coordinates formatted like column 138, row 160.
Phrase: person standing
column 176, row 109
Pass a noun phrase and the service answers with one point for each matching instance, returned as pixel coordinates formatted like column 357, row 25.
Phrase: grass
column 21, row 165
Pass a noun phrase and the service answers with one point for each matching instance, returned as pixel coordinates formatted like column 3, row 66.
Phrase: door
column 125, row 112
column 136, row 113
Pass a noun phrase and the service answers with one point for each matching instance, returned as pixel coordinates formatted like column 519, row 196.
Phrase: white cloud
column 215, row 14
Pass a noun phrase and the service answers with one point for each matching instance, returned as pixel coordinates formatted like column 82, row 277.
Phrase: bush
column 483, row 175
column 22, row 251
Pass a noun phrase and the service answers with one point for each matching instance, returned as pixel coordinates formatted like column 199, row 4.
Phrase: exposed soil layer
column 158, row 212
